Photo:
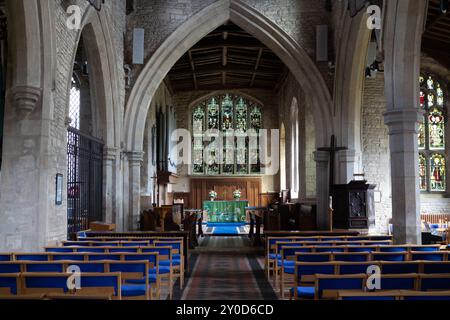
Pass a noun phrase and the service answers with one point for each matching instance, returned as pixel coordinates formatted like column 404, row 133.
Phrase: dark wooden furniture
column 307, row 217
column 102, row 226
column 256, row 215
column 353, row 205
column 150, row 220
column 200, row 187
column 287, row 216
column 192, row 219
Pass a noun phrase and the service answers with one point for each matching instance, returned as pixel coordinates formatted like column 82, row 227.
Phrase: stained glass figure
column 227, row 113
column 423, row 172
column 436, row 129
column 430, row 83
column 422, row 136
column 213, row 114
column 256, row 118
column 431, row 98
column 422, row 100
column 198, row 118
column 241, row 115
column 437, row 172
column 440, row 96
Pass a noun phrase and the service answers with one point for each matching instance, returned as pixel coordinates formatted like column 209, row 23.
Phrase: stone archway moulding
column 95, row 29
column 287, row 49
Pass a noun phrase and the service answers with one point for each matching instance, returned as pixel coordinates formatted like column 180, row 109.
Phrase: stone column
column 402, row 35
column 347, row 166
column 322, row 159
column 110, row 156
column 132, row 190
column 403, row 130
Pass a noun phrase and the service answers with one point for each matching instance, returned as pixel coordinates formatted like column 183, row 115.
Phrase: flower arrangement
column 213, row 195
column 237, row 194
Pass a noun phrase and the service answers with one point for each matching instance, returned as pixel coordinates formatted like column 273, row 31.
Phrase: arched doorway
column 84, row 149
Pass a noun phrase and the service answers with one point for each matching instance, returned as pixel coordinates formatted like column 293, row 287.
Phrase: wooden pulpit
column 353, row 205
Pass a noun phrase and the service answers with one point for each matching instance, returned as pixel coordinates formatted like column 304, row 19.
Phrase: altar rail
column 435, row 218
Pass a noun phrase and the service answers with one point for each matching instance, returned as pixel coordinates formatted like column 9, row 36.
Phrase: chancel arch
column 208, row 19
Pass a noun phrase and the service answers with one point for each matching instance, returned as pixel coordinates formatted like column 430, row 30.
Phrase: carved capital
column 403, row 120
column 109, row 154
column 25, row 99
column 321, row 157
column 135, row 158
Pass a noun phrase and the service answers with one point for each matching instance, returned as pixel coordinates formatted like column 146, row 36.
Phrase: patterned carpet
column 226, row 268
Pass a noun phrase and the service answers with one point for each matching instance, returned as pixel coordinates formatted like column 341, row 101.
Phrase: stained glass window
column 431, row 138
column 238, row 119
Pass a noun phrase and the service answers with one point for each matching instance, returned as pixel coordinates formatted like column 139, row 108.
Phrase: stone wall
column 36, row 144
column 298, row 18
column 375, row 144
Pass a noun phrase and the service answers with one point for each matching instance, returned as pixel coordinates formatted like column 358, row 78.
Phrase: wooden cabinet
column 353, row 205
column 200, row 187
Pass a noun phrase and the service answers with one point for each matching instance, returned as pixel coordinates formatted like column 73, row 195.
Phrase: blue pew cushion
column 161, row 270
column 166, row 263
column 151, row 279
column 304, row 292
column 133, row 290
column 289, row 269
column 286, row 263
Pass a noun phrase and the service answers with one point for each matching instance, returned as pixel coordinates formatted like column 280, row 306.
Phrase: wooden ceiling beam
column 258, row 60
column 248, row 44
column 194, row 77
column 228, row 69
column 227, row 87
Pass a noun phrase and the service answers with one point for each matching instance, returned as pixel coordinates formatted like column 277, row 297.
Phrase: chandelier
column 97, row 4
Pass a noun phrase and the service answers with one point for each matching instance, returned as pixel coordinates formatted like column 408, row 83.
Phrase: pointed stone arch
column 254, row 22
column 97, row 34
column 198, row 26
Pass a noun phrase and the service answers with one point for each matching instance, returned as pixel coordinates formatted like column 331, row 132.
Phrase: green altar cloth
column 226, row 211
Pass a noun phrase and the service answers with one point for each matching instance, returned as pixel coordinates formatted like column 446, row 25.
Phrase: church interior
column 224, row 150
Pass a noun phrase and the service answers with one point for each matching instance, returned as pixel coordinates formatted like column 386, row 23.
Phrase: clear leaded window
column 74, row 107
column 231, row 146
column 432, row 164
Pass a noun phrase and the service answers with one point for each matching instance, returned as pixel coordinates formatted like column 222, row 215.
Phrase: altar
column 226, row 211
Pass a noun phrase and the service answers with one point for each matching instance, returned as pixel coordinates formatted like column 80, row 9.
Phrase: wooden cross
column 332, row 150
